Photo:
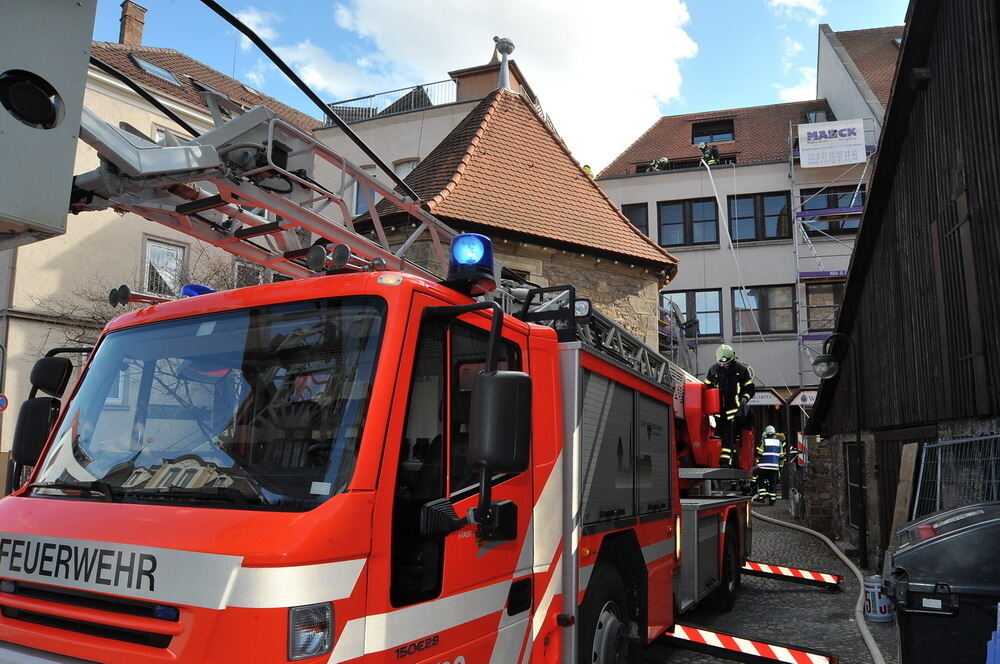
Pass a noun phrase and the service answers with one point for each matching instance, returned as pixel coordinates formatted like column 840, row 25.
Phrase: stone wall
column 823, row 492
column 628, row 294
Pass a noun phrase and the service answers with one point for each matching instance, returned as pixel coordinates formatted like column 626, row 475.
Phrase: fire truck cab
column 292, row 472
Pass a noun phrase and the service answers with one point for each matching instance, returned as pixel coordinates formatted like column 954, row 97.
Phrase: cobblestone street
column 788, row 613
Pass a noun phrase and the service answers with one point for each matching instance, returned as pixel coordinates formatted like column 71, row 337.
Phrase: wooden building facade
column 922, row 301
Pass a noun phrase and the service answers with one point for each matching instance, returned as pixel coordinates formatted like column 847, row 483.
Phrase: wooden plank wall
column 928, row 325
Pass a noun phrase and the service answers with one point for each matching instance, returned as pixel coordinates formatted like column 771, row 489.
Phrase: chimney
column 132, row 21
column 505, row 47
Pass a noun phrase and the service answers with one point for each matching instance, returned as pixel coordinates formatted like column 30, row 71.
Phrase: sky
column 603, row 71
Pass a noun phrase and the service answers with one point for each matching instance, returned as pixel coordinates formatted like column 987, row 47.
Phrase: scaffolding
column 826, row 214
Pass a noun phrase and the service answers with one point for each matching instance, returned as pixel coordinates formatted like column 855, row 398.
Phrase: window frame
column 836, row 222
column 156, row 70
column 713, row 136
column 842, row 283
column 687, row 222
column 759, row 215
column 635, row 207
column 149, row 240
column 691, row 305
column 763, row 296
column 358, row 198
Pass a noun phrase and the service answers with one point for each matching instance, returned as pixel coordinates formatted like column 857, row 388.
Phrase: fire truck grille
column 88, row 600
column 93, row 629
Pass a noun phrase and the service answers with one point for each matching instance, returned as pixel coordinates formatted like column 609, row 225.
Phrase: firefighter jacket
column 770, row 453
column 735, row 382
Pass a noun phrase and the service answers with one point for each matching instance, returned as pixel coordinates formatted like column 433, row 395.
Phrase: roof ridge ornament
column 505, row 47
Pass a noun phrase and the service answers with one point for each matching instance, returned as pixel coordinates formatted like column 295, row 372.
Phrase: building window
column 360, row 204
column 838, row 209
column 164, row 268
column 155, row 70
column 705, row 305
column 760, row 216
column 638, row 214
column 688, row 222
column 772, row 308
column 716, row 131
column 822, row 303
column 247, row 274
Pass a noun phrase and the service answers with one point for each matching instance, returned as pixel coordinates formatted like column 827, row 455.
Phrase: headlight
column 310, row 630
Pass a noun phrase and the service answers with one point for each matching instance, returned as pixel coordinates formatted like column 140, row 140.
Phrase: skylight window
column 155, row 70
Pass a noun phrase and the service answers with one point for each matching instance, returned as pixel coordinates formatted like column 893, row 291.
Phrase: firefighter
column 709, row 153
column 770, row 459
column 735, row 383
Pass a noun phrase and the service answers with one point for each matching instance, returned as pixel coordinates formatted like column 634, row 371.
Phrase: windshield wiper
column 95, row 486
column 224, row 494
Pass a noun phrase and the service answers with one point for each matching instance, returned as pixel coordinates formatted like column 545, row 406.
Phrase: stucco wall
column 777, row 359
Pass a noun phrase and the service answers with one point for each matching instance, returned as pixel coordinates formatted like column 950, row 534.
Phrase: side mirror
column 500, row 421
column 34, row 422
column 51, row 375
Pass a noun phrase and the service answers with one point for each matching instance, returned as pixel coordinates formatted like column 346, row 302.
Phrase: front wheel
column 605, row 619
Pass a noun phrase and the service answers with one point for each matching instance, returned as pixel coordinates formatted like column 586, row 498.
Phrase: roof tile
column 502, row 167
column 761, row 135
column 875, row 55
column 185, row 68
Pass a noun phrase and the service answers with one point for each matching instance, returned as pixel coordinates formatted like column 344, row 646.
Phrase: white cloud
column 257, row 75
column 600, row 69
column 790, row 50
column 809, row 11
column 261, row 22
column 325, row 74
column 803, row 90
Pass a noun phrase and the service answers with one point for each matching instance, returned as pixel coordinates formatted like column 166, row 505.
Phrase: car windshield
column 259, row 408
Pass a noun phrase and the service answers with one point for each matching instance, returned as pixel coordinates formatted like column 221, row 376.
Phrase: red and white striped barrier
column 727, row 646
column 793, row 574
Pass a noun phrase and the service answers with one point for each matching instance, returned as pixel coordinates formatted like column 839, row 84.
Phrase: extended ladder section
column 255, row 186
column 262, row 189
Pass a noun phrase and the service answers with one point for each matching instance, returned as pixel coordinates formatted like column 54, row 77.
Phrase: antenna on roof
column 505, row 47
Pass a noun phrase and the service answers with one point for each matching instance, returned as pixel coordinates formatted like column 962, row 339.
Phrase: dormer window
column 155, row 70
column 716, row 131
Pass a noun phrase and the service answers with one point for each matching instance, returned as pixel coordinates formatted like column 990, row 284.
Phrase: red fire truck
column 296, row 472
column 365, row 463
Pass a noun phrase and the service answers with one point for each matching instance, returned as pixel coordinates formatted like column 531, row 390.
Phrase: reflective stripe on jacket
column 770, row 453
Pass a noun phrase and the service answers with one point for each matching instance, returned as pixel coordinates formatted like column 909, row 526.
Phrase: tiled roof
column 875, row 55
column 502, row 168
column 184, row 68
column 761, row 135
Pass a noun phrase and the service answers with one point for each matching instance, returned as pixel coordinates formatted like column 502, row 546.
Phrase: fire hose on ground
column 859, row 617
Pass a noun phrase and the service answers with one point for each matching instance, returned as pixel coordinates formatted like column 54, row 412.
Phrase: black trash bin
column 944, row 581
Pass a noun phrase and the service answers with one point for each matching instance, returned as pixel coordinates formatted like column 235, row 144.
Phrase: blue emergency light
column 470, row 268
column 193, row 290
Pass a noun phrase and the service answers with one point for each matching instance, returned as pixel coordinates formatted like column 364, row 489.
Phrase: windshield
column 258, row 408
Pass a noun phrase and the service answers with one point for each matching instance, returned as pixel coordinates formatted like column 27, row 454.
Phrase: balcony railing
column 403, row 100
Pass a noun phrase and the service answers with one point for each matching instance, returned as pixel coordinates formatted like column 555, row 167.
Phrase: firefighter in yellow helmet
column 735, row 383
